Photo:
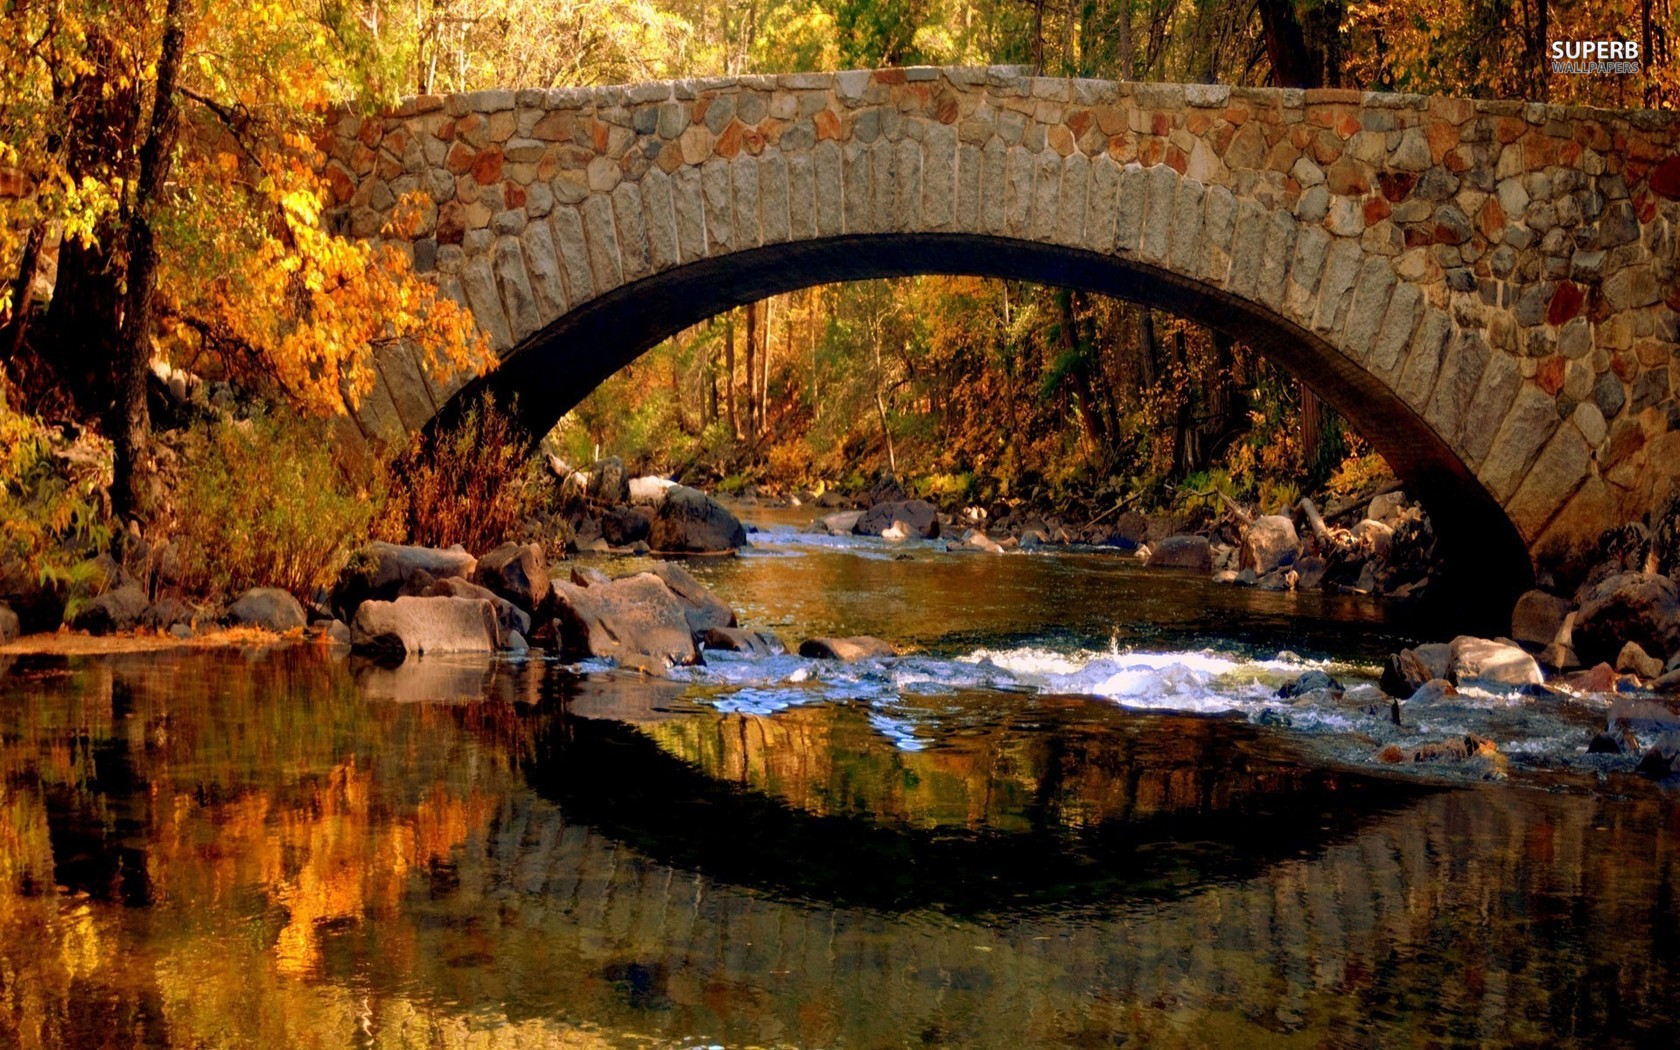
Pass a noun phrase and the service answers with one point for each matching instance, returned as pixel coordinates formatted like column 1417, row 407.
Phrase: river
column 1075, row 815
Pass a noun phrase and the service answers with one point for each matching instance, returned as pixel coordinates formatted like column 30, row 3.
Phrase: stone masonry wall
column 1507, row 270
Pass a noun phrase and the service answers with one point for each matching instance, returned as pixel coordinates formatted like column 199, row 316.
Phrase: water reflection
column 214, row 850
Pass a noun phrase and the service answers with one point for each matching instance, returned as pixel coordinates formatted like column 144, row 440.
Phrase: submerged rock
column 1434, row 691
column 1634, row 725
column 690, row 522
column 269, row 608
column 426, row 625
column 738, row 640
column 635, row 620
column 1452, row 749
column 1314, row 681
column 516, row 572
column 846, row 650
column 1181, row 552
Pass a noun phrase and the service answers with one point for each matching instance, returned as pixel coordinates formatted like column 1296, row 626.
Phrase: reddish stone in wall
column 1665, row 178
column 1550, row 375
column 1566, row 303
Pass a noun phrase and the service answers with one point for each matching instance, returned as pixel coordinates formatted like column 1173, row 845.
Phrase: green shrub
column 53, row 513
column 474, row 483
column 263, row 502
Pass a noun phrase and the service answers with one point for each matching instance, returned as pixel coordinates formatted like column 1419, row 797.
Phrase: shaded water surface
column 284, row 849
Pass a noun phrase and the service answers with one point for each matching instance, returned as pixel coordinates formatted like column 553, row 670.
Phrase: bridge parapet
column 1487, row 288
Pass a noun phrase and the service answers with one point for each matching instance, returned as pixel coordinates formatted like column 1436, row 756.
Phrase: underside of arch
column 558, row 366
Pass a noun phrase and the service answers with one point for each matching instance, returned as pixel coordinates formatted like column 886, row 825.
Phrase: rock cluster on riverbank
column 610, row 512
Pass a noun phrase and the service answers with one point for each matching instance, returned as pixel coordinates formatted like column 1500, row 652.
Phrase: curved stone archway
column 1485, row 289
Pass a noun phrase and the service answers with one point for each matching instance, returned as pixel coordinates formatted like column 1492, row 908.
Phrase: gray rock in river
column 1628, row 607
column 118, row 609
column 269, row 608
column 1537, row 618
column 1269, row 543
column 517, row 572
column 509, row 617
column 691, row 522
column 1409, row 669
column 703, row 609
column 1491, row 664
column 918, row 517
column 381, row 570
column 1181, row 552
column 635, row 620
column 738, row 640
column 840, row 523
column 426, row 625
column 846, row 650
column 609, row 482
column 1314, row 681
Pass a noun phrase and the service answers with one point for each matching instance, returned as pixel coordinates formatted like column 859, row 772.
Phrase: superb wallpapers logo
column 1578, row 57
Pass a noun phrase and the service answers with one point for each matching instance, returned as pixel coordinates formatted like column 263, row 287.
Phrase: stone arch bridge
column 1487, row 290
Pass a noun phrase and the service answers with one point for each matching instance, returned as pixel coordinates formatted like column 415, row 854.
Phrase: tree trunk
column 752, row 371
column 729, row 373
column 135, row 346
column 1312, row 429
column 23, row 294
column 1286, row 46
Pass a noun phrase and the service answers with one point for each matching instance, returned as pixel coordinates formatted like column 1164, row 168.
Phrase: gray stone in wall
column 994, row 187
column 1370, row 305
column 485, row 300
column 1158, row 214
column 829, row 187
column 508, row 262
column 1557, row 472
column 1275, row 260
column 1018, row 197
column 939, row 177
column 1526, row 428
column 1219, row 224
column 1388, row 349
column 567, row 227
column 1341, row 270
column 1248, row 247
column 659, row 219
column 1423, row 362
column 688, row 204
column 967, row 215
column 1076, row 182
column 377, row 413
column 1185, row 246
column 1047, row 191
column 1312, row 244
column 1455, row 385
column 1101, row 201
column 1128, row 212
column 860, row 210
column 542, row 261
column 802, row 200
column 400, row 367
column 1501, row 379
column 907, row 186
column 631, row 230
column 743, row 182
column 883, row 183
column 602, row 237
column 720, row 207
column 773, row 197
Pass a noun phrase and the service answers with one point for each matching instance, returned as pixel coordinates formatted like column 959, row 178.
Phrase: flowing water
column 1076, row 814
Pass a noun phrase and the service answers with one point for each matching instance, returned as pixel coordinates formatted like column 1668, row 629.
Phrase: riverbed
column 1075, row 813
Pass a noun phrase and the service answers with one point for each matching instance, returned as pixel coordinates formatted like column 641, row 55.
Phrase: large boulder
column 691, row 522
column 1129, row 530
column 1537, row 618
column 118, row 609
column 608, row 482
column 623, row 525
column 426, row 625
column 1181, row 552
column 1409, row 669
column 1491, row 665
column 703, row 609
column 509, row 617
column 635, row 620
column 380, row 571
column 517, row 572
column 846, row 650
column 1627, row 607
column 1269, row 543
column 268, row 608
column 918, row 517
